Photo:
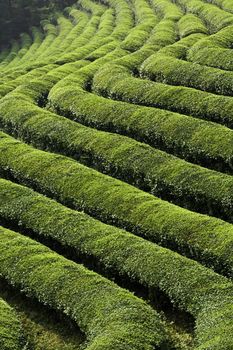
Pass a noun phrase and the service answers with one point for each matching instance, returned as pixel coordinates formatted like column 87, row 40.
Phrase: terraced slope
column 116, row 183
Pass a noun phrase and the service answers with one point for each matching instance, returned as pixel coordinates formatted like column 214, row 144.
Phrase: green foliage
column 89, row 64
column 167, row 9
column 146, row 21
column 223, row 4
column 111, row 317
column 214, row 17
column 118, row 250
column 116, row 202
column 11, row 336
column 44, row 328
column 189, row 137
column 214, row 51
column 190, row 24
column 162, row 174
column 179, row 99
column 168, row 66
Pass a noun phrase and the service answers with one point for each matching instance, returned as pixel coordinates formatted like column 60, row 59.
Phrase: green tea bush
column 191, row 24
column 170, row 70
column 214, row 17
column 119, row 251
column 167, row 9
column 110, row 199
column 163, row 34
column 179, row 49
column 191, row 138
column 23, row 71
column 11, row 334
column 116, row 82
column 159, row 172
column 111, row 317
column 226, row 5
column 124, row 18
column 146, row 21
column 15, row 48
column 37, row 36
column 25, row 44
column 78, row 88
column 214, row 51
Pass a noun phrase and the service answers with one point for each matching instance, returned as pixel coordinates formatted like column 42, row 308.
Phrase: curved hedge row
column 163, row 34
column 170, row 70
column 101, row 46
column 214, row 51
column 83, row 39
column 190, row 24
column 124, row 18
column 32, row 74
column 178, row 49
column 64, row 27
column 159, row 172
column 214, row 17
column 104, row 36
column 117, row 83
column 114, row 201
column 3, row 54
column 80, row 20
column 151, row 265
column 11, row 336
column 111, row 317
column 25, row 43
column 11, row 54
column 86, row 29
column 167, row 9
column 226, row 5
column 38, row 37
column 105, row 28
column 191, row 138
column 146, row 21
column 169, row 66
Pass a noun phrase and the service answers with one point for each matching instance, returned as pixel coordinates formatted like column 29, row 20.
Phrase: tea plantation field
column 116, row 178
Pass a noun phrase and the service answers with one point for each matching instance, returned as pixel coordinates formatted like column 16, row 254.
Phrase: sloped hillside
column 116, row 177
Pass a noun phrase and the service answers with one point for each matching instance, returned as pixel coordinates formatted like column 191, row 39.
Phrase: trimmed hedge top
column 134, row 99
